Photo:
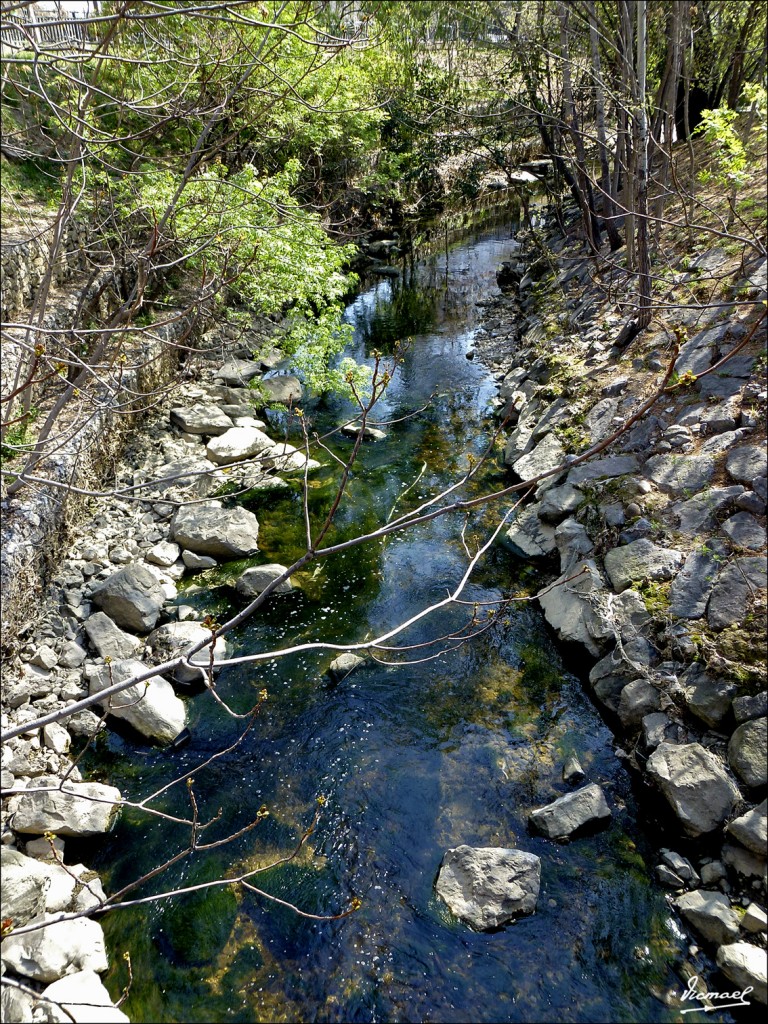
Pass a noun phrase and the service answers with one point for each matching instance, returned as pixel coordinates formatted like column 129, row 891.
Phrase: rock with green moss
column 746, row 752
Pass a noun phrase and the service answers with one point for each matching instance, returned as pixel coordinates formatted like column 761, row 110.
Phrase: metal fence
column 46, row 31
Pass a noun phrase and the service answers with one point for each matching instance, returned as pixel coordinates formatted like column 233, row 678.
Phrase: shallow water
column 410, row 758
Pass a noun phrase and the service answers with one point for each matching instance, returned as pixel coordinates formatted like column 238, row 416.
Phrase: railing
column 46, row 31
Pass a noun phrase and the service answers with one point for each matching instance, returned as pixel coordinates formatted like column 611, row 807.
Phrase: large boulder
column 132, row 597
column 285, row 389
column 201, row 419
column 547, row 455
column 108, row 639
column 256, row 580
column 751, row 829
column 56, row 949
column 81, row 998
column 570, row 813
column 487, row 887
column 735, row 589
column 24, row 885
column 238, row 443
column 209, row 529
column 151, row 707
column 695, row 785
column 75, row 809
column 680, row 474
column 710, row 914
column 177, row 638
column 641, row 560
column 572, row 608
column 746, row 752
column 745, row 965
column 528, row 537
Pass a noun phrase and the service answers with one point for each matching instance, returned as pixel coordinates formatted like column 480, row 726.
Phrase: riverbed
column 423, row 750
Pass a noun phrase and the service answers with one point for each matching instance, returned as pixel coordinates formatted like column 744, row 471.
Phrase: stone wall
column 36, row 523
column 24, row 257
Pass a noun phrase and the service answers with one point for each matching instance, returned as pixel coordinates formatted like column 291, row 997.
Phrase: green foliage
column 717, row 127
column 251, row 232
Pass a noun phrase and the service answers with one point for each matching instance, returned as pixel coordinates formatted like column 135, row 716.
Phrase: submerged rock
column 342, row 666
column 572, row 812
column 488, row 887
column 257, row 579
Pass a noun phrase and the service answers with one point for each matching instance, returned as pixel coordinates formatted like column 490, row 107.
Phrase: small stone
column 572, row 770
column 45, row 657
column 72, row 655
column 163, row 554
column 57, row 738
column 570, row 813
column 747, row 708
column 197, row 562
column 668, row 878
column 40, row 849
column 745, row 531
column 343, row 666
column 746, row 752
column 755, row 920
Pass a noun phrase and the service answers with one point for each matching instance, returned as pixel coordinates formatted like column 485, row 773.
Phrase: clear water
column 412, row 758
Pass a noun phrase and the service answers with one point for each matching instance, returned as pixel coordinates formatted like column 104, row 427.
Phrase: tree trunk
column 585, row 199
column 609, row 209
column 643, row 253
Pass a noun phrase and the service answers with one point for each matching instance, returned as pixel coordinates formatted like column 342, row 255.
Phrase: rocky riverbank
column 110, row 612
column 656, row 545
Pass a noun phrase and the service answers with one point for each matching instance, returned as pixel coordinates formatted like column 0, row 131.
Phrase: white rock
column 85, row 1000
column 151, row 707
column 57, row 949
column 256, row 579
column 745, row 965
column 57, row 738
column 236, row 444
column 71, row 809
column 163, row 554
column 177, row 638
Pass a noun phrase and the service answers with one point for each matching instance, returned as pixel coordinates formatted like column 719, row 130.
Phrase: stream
column 411, row 758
